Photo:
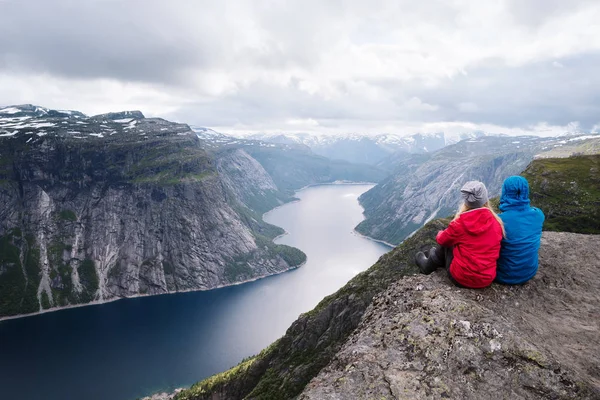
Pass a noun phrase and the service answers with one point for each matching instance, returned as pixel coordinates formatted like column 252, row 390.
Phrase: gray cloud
column 90, row 39
column 266, row 64
column 524, row 95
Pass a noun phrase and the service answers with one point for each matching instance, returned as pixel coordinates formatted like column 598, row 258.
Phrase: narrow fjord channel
column 133, row 347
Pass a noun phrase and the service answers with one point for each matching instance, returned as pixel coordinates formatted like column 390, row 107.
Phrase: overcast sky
column 397, row 66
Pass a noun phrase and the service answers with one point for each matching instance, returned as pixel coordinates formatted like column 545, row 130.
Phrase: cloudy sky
column 327, row 66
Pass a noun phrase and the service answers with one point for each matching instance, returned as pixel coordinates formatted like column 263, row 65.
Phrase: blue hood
column 515, row 193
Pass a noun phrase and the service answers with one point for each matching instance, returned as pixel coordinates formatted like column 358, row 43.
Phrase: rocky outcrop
column 424, row 338
column 118, row 205
column 574, row 146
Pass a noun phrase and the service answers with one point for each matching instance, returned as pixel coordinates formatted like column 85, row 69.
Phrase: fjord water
column 134, row 347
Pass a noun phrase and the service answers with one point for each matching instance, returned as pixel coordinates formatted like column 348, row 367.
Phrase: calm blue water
column 134, row 347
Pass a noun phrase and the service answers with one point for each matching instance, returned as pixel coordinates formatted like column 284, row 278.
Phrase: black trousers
column 445, row 255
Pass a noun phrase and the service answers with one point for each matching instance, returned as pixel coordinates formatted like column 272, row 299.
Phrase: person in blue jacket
column 518, row 260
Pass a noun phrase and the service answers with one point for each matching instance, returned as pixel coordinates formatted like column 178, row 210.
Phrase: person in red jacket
column 470, row 246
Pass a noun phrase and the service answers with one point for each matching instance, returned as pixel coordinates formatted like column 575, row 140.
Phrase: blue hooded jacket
column 518, row 260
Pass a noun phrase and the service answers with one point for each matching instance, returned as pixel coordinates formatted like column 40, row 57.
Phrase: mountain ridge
column 358, row 148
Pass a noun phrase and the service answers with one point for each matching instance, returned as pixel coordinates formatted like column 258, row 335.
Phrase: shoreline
column 112, row 300
column 99, row 302
column 357, row 233
column 334, row 183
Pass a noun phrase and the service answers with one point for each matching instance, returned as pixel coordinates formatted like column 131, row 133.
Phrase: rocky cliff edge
column 424, row 338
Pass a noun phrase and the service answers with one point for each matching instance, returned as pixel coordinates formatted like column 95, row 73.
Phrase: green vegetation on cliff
column 88, row 279
column 12, row 279
column 567, row 190
column 19, row 280
column 68, row 215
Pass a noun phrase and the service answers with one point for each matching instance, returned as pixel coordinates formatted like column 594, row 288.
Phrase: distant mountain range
column 383, row 150
column 357, row 148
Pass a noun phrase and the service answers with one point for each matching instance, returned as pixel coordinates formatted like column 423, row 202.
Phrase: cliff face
column 251, row 184
column 117, row 205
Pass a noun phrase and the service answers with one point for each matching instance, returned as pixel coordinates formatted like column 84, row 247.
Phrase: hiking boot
column 425, row 264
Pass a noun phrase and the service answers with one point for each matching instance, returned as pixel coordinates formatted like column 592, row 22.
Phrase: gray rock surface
column 424, row 338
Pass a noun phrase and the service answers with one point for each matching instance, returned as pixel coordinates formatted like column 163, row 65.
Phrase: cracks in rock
column 389, row 386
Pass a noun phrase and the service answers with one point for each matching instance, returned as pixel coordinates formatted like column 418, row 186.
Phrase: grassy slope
column 567, row 190
column 283, row 369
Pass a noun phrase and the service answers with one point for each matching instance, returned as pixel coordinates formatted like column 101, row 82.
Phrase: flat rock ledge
column 424, row 338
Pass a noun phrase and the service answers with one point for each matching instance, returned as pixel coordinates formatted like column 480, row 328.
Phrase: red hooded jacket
column 476, row 237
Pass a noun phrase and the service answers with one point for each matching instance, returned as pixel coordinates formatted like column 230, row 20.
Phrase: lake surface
column 134, row 347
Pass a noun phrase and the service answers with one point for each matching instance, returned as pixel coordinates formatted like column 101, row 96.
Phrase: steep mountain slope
column 251, row 184
column 424, row 187
column 568, row 190
column 384, row 335
column 115, row 205
column 356, row 148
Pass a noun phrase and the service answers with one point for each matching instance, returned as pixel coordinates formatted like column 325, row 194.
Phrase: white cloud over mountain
column 335, row 66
